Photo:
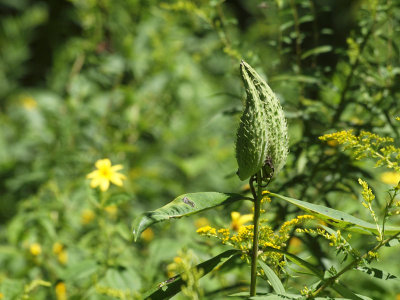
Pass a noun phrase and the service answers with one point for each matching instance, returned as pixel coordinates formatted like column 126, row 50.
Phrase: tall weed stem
column 254, row 254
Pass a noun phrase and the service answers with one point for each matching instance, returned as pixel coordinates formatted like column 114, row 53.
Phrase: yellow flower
column 57, row 248
column 332, row 143
column 61, row 291
column 87, row 216
column 28, row 102
column 63, row 257
column 104, row 174
column 295, row 245
column 238, row 220
column 112, row 210
column 390, row 177
column 148, row 235
column 35, row 249
column 201, row 222
column 1, row 296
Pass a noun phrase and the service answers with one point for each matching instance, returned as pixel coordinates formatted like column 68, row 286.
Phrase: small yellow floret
column 61, row 291
column 57, row 248
column 112, row 210
column 201, row 222
column 148, row 235
column 87, row 216
column 63, row 257
column 28, row 102
column 35, row 249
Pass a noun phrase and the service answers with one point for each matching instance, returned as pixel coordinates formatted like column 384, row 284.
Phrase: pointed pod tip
column 135, row 236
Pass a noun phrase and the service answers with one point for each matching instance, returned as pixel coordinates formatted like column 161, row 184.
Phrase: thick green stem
column 254, row 254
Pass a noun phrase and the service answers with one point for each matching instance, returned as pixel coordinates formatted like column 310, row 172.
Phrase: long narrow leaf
column 273, row 279
column 300, row 262
column 172, row 286
column 184, row 205
column 345, row 292
column 338, row 218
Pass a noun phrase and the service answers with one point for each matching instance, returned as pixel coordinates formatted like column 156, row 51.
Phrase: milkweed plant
column 262, row 148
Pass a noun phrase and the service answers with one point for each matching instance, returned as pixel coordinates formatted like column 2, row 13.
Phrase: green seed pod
column 262, row 137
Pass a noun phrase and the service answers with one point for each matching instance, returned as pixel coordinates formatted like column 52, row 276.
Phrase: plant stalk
column 254, row 254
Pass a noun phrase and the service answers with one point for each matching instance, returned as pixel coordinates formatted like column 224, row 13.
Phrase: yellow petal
column 104, row 184
column 390, row 177
column 93, row 174
column 245, row 219
column 117, row 167
column 235, row 216
column 103, row 163
column 95, row 182
column 117, row 180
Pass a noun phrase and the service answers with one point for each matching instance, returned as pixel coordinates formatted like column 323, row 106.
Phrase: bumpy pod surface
column 262, row 134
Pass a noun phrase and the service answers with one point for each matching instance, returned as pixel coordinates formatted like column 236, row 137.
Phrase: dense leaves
column 155, row 86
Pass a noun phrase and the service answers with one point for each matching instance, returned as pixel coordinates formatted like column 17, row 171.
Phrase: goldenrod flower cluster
column 207, row 230
column 368, row 197
column 335, row 239
column 183, row 265
column 367, row 144
column 367, row 192
column 242, row 239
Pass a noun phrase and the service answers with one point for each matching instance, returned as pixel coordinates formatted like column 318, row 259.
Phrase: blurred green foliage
column 155, row 86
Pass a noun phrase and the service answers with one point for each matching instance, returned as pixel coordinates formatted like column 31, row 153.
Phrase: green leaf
column 342, row 290
column 297, row 78
column 290, row 297
column 80, row 270
column 393, row 243
column 184, row 205
column 338, row 218
column 117, row 199
column 172, row 286
column 374, row 272
column 273, row 279
column 278, row 297
column 316, row 51
column 299, row 261
column 345, row 292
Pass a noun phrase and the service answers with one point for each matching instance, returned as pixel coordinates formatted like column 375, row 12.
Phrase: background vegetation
column 155, row 86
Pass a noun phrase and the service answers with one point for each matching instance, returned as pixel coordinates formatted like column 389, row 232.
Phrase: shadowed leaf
column 172, row 286
column 273, row 279
column 374, row 272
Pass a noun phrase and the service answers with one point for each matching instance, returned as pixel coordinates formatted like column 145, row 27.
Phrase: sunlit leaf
column 338, row 218
column 316, row 51
column 184, row 205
